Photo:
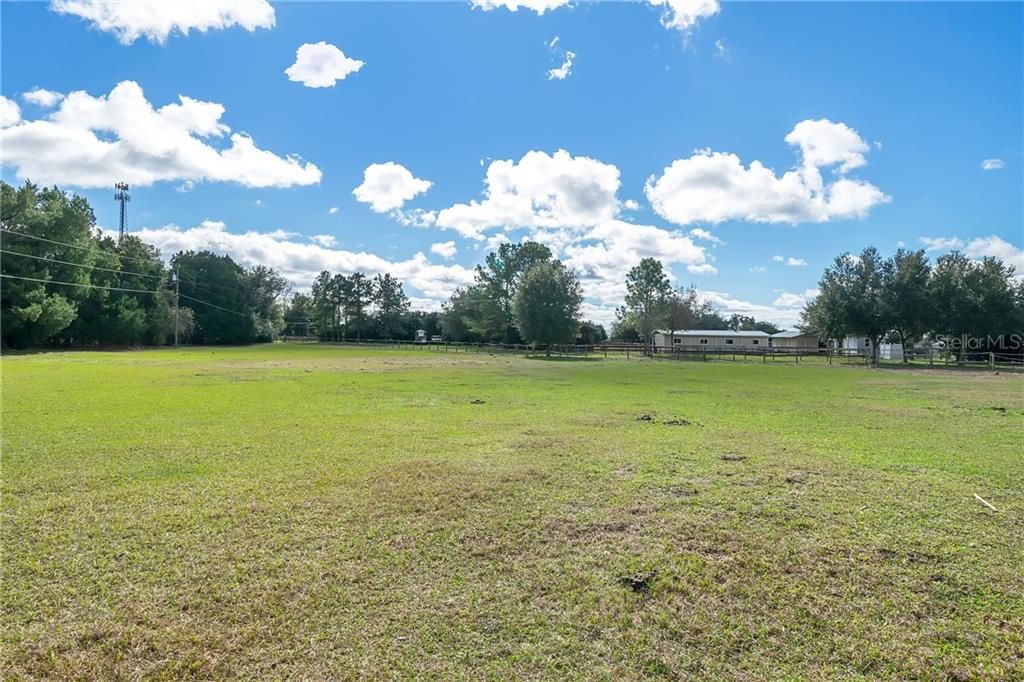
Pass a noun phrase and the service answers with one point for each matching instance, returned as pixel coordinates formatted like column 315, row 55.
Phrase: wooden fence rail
column 830, row 356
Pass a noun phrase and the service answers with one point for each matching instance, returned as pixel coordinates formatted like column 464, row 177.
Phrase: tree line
column 65, row 284
column 967, row 304
column 342, row 307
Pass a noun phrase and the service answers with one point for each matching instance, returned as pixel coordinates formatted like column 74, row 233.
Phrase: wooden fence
column 827, row 356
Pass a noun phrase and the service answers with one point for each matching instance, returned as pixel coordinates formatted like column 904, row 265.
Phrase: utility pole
column 176, row 317
column 121, row 195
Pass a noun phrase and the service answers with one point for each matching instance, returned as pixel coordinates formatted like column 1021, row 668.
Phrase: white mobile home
column 794, row 339
column 718, row 339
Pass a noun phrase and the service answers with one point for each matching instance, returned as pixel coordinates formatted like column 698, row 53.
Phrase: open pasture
column 323, row 512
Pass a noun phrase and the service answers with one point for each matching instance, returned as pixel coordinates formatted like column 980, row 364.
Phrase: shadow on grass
column 562, row 358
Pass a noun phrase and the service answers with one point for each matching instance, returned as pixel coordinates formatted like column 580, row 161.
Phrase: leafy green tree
column 130, row 304
column 460, row 313
column 33, row 312
column 591, row 333
column 747, row 323
column 973, row 302
column 324, row 311
column 215, row 287
column 265, row 288
column 851, row 300
column 905, row 296
column 955, row 314
column 429, row 322
column 299, row 315
column 391, row 303
column 647, row 295
column 500, row 276
column 624, row 328
column 547, row 304
column 357, row 295
column 995, row 293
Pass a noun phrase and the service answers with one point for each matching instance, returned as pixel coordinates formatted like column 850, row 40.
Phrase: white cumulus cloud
column 46, row 99
column 702, row 269
column 387, row 186
column 993, row 164
column 321, row 65
column 790, row 261
column 786, row 299
column 155, row 20
column 785, row 310
column 541, row 190
column 978, row 248
column 97, row 141
column 444, row 249
column 10, row 113
column 301, row 261
column 332, row 210
column 698, row 233
column 325, row 240
column 996, row 247
column 538, row 6
column 683, row 15
column 941, row 243
column 603, row 254
column 715, row 186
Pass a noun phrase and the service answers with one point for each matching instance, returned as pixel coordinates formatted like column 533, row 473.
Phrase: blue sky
column 903, row 103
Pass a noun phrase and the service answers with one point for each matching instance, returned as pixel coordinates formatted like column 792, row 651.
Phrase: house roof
column 715, row 332
column 792, row 334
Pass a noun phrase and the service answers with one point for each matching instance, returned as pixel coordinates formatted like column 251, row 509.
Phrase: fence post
column 992, row 360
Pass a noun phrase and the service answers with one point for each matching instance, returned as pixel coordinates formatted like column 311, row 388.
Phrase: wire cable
column 85, row 286
column 81, row 265
column 70, row 246
column 134, row 291
column 198, row 300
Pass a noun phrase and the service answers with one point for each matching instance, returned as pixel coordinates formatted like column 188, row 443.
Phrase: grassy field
column 321, row 512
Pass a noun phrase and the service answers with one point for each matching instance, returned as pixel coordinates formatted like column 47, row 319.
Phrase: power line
column 85, row 286
column 85, row 248
column 80, row 265
column 133, row 291
column 195, row 283
column 70, row 246
column 197, row 300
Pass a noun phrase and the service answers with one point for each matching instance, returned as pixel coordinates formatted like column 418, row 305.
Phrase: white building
column 886, row 351
column 718, row 339
column 794, row 339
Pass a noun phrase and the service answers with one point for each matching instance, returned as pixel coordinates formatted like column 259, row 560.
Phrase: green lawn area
column 323, row 512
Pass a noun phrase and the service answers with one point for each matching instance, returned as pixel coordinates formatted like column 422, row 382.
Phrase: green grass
column 324, row 513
